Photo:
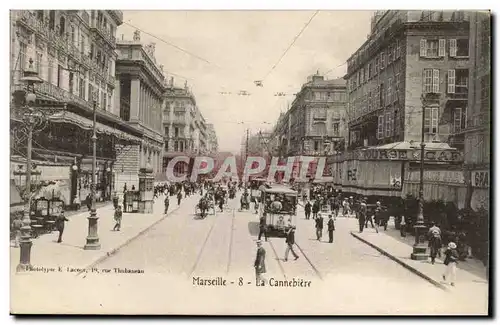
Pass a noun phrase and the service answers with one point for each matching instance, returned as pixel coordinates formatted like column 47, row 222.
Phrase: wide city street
column 346, row 277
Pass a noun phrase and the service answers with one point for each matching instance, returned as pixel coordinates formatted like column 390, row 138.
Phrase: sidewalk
column 46, row 252
column 469, row 274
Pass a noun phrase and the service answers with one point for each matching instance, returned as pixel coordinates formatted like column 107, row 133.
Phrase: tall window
column 38, row 63
column 62, row 26
column 336, row 129
column 457, row 120
column 388, row 124
column 81, row 88
column 90, row 94
column 50, row 75
column 431, row 80
column 59, row 76
column 22, row 56
column 396, row 123
column 380, row 127
column 319, row 128
column 71, row 82
column 432, row 48
column 317, row 145
column 389, row 91
column 176, row 132
column 431, row 120
column 52, row 19
column 167, row 131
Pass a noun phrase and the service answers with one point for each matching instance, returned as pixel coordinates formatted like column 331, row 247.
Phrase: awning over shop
column 70, row 117
column 406, row 145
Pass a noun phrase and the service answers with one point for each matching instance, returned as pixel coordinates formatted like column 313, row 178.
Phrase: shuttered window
column 380, row 129
column 451, row 81
column 427, row 80
column 388, row 124
column 442, row 47
column 453, row 47
column 435, row 81
column 423, row 47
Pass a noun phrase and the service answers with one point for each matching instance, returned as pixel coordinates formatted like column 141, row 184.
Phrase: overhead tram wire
column 168, row 43
column 291, row 44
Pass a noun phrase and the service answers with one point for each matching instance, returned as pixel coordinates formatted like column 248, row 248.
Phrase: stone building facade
column 139, row 98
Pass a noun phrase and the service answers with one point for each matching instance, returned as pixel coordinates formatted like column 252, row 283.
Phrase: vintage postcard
column 250, row 162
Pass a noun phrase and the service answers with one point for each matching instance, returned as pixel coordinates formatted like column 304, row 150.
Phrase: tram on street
column 255, row 185
column 279, row 206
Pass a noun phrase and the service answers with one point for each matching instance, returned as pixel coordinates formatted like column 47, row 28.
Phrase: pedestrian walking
column 290, row 241
column 434, row 235
column 319, row 226
column 88, row 200
column 260, row 264
column 167, row 203
column 17, row 224
column 331, row 228
column 307, row 209
column 179, row 198
column 451, row 261
column 363, row 210
column 60, row 225
column 315, row 209
column 118, row 218
column 263, row 226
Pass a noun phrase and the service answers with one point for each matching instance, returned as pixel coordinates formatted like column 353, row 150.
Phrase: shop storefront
column 396, row 172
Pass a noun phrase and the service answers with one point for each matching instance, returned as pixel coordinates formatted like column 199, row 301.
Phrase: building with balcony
column 315, row 123
column 477, row 129
column 410, row 54
column 73, row 52
column 139, row 97
column 412, row 62
column 185, row 128
column 212, row 142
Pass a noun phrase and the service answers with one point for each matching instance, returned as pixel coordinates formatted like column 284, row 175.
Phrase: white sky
column 242, row 46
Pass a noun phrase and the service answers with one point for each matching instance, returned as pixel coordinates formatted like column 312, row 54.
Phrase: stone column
column 135, row 99
column 116, row 104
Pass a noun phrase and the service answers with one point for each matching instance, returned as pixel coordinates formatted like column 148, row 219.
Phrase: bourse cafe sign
column 391, row 154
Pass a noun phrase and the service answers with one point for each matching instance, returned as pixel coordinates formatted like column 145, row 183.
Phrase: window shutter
column 423, row 47
column 442, row 47
column 380, row 131
column 435, row 81
column 453, row 47
column 451, row 81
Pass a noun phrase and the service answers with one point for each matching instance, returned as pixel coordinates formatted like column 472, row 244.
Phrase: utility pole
column 419, row 248
column 246, row 146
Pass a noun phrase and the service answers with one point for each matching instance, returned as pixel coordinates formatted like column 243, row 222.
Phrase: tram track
column 316, row 271
column 277, row 258
column 202, row 249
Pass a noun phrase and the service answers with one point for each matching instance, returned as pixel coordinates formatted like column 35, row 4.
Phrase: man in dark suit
column 307, row 209
column 319, row 226
column 263, row 226
column 331, row 228
column 290, row 241
column 260, row 264
column 60, row 225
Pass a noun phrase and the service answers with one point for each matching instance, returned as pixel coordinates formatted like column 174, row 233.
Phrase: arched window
column 62, row 26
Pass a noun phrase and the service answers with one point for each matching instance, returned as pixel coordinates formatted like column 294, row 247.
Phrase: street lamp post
column 93, row 237
column 31, row 120
column 419, row 248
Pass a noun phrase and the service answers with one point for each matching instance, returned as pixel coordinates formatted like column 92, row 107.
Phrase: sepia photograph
column 250, row 162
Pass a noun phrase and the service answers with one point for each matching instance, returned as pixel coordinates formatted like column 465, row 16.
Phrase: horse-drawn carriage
column 205, row 206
